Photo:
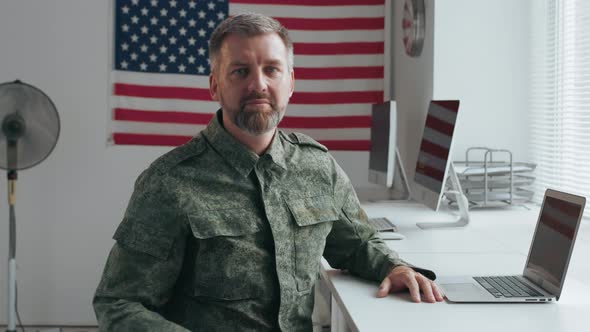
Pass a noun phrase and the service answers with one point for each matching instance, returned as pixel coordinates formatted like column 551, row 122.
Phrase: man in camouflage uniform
column 226, row 231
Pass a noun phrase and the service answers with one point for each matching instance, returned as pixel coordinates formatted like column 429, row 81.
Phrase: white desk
column 496, row 242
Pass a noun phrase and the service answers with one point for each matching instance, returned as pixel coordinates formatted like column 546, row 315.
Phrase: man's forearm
column 123, row 315
column 373, row 260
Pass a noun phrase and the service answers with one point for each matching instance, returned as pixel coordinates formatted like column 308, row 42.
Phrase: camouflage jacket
column 217, row 238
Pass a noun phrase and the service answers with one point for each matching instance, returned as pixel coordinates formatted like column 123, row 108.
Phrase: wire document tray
column 494, row 180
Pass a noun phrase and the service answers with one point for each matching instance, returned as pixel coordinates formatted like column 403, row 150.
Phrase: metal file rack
column 494, row 179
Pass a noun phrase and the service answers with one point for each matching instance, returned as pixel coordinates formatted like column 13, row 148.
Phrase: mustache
column 256, row 95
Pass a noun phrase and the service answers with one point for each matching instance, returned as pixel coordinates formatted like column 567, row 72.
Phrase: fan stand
column 11, row 177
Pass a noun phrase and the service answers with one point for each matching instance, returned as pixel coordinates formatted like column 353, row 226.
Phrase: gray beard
column 257, row 123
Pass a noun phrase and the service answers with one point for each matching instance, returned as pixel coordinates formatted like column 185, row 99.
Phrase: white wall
column 68, row 206
column 481, row 52
column 475, row 51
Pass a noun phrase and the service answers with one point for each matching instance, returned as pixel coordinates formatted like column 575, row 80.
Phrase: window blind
column 560, row 96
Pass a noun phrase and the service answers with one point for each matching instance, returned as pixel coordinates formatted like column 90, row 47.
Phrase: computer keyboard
column 506, row 286
column 383, row 224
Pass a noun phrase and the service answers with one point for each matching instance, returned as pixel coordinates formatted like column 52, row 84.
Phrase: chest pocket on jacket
column 228, row 256
column 314, row 217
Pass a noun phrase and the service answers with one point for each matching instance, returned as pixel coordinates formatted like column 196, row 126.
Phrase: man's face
column 253, row 82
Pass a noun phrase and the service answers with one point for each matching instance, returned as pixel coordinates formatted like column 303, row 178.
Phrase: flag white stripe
column 442, row 114
column 195, row 106
column 433, row 161
column 307, row 12
column 149, row 128
column 330, row 110
column 191, row 130
column 156, row 104
column 338, row 85
column 168, row 80
column 340, row 36
column 437, row 138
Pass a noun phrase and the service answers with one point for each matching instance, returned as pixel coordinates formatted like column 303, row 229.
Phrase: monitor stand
column 463, row 218
column 399, row 189
column 403, row 179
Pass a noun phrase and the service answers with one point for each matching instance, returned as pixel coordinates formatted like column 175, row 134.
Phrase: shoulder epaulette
column 302, row 139
column 192, row 148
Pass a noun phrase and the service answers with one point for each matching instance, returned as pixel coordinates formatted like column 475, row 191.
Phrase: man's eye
column 272, row 70
column 240, row 72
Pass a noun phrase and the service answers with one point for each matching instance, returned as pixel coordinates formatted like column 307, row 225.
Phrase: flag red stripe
column 331, row 73
column 338, row 48
column 451, row 105
column 123, row 114
column 567, row 208
column 164, row 92
column 311, row 2
column 344, row 97
column 431, row 172
column 172, row 140
column 434, row 149
column 558, row 226
column 149, row 139
column 439, row 125
column 357, row 23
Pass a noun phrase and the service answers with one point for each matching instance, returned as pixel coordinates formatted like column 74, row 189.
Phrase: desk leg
column 337, row 321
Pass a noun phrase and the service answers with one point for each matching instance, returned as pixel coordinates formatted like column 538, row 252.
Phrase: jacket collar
column 237, row 154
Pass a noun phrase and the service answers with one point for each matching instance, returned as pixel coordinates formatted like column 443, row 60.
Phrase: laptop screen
column 553, row 240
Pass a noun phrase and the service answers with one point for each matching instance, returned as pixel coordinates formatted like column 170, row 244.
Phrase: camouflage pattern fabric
column 217, row 238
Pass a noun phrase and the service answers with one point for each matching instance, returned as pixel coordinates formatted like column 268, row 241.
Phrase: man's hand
column 402, row 277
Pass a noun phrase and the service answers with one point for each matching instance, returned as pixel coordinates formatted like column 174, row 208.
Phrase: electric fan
column 29, row 128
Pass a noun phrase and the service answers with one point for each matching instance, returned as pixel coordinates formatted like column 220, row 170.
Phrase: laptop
column 546, row 265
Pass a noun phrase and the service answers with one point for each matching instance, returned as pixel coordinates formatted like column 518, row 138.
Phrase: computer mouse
column 391, row 236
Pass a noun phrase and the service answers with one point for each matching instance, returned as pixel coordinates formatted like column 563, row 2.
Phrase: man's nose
column 258, row 82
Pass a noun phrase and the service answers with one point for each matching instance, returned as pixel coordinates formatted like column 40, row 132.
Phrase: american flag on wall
column 160, row 85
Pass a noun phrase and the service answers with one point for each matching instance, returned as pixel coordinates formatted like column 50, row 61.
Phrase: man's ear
column 292, row 82
column 213, row 87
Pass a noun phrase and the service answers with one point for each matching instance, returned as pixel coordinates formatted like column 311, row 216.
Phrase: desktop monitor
column 382, row 155
column 434, row 165
column 435, row 148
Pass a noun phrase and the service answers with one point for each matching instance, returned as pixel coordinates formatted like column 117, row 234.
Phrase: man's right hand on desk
column 403, row 277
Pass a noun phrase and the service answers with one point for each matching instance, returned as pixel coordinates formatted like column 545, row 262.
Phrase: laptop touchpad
column 461, row 291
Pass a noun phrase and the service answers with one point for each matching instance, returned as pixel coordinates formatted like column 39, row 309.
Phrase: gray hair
column 248, row 25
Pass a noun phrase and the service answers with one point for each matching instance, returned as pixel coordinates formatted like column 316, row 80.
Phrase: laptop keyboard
column 382, row 224
column 506, row 286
